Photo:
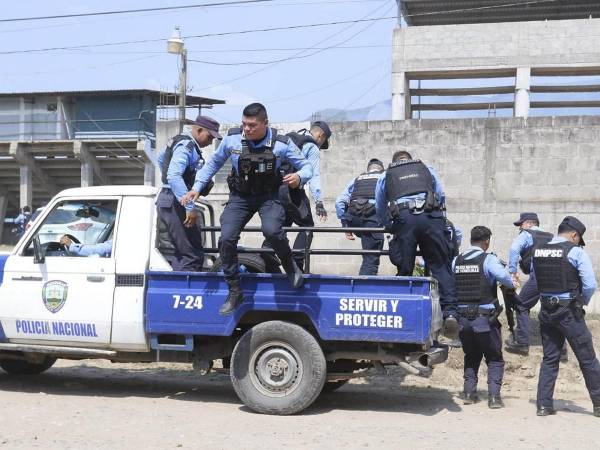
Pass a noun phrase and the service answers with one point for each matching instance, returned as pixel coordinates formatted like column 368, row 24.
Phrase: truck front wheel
column 278, row 368
column 21, row 367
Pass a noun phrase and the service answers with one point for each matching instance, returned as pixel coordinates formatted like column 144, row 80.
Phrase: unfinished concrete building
column 521, row 46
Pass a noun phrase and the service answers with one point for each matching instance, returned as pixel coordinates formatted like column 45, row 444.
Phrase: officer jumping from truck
column 409, row 201
column 477, row 273
column 256, row 153
column 355, row 207
column 178, row 162
column 566, row 282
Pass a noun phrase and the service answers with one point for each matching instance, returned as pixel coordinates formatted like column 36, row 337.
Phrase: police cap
column 526, row 216
column 323, row 126
column 576, row 225
column 209, row 124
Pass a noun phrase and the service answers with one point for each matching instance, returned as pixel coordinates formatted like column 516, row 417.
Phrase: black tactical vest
column 190, row 174
column 553, row 271
column 300, row 138
column 257, row 168
column 539, row 238
column 408, row 177
column 471, row 284
column 364, row 186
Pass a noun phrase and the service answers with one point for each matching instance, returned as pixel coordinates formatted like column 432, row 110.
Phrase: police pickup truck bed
column 282, row 346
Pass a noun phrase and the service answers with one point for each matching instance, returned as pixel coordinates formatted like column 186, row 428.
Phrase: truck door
column 69, row 296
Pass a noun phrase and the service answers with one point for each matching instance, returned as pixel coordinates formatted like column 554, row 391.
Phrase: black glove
column 320, row 210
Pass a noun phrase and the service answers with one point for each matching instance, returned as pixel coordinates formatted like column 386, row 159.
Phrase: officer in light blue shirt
column 257, row 153
column 179, row 162
column 102, row 249
column 295, row 201
column 355, row 207
column 566, row 282
column 520, row 254
column 409, row 201
column 477, row 274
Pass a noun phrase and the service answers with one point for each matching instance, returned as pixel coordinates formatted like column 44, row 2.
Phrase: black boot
column 235, row 297
column 293, row 272
column 495, row 402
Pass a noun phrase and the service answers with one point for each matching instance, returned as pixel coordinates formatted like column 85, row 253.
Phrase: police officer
column 530, row 236
column 256, row 153
column 102, row 249
column 178, row 163
column 295, row 200
column 355, row 207
column 22, row 220
column 566, row 281
column 409, row 199
column 476, row 273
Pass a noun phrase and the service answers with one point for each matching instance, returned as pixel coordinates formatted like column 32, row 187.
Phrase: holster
column 577, row 307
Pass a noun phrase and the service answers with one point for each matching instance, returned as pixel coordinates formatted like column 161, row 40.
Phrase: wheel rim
column 276, row 369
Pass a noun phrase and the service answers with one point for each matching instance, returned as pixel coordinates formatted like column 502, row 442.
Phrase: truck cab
column 123, row 302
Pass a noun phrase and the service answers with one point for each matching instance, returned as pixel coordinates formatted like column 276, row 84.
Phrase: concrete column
column 26, row 186
column 87, row 170
column 401, row 106
column 522, row 87
column 3, row 204
column 149, row 172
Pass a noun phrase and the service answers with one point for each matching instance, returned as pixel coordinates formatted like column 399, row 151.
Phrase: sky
column 345, row 66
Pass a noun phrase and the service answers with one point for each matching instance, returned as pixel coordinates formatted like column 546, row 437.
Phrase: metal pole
column 182, row 89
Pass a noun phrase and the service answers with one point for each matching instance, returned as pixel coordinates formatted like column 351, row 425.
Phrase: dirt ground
column 96, row 404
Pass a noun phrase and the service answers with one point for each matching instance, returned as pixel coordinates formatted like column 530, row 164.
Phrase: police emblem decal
column 54, row 294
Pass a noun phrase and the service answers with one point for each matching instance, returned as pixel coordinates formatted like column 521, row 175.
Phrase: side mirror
column 38, row 252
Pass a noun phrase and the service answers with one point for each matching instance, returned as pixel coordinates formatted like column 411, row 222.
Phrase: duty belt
column 552, row 301
column 473, row 311
column 417, row 204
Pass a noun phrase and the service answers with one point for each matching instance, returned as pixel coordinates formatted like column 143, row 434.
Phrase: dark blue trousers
column 555, row 327
column 368, row 241
column 237, row 213
column 298, row 212
column 477, row 344
column 427, row 230
column 525, row 301
column 189, row 253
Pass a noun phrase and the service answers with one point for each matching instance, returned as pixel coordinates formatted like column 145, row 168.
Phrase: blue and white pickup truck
column 282, row 346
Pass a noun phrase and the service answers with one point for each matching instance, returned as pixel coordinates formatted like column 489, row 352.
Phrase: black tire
column 279, row 344
column 331, row 386
column 20, row 367
column 253, row 262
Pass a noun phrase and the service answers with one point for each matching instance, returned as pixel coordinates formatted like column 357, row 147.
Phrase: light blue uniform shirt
column 231, row 147
column 493, row 270
column 103, row 249
column 521, row 243
column 183, row 157
column 381, row 202
column 343, row 200
column 313, row 154
column 582, row 262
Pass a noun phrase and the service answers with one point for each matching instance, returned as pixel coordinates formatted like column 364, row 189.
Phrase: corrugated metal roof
column 190, row 99
column 445, row 12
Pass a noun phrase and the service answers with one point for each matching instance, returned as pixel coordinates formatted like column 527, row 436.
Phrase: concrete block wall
column 553, row 43
column 491, row 169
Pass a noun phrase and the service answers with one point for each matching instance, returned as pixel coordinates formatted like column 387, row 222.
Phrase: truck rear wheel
column 278, row 368
column 21, row 367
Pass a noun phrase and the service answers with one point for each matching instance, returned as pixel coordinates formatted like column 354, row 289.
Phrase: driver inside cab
column 102, row 249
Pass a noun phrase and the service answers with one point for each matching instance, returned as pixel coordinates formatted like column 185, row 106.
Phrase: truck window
column 86, row 222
